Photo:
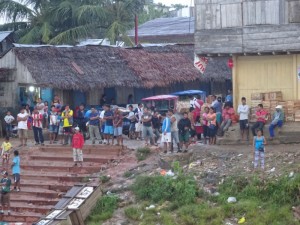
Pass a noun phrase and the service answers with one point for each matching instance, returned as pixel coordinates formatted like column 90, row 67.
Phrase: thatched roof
column 87, row 67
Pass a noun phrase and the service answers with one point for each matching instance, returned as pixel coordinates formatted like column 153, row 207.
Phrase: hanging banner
column 200, row 63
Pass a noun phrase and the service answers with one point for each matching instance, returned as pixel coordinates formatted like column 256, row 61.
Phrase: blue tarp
column 191, row 92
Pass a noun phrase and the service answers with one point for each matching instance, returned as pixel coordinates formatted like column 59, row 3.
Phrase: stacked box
column 254, row 103
column 277, row 96
column 267, row 96
column 257, row 96
column 266, row 104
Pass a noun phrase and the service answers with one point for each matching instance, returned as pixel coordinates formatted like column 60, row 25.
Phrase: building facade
column 262, row 36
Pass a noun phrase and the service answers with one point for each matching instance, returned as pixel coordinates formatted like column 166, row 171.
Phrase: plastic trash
column 231, row 200
column 272, row 170
column 163, row 172
column 170, row 173
column 150, row 207
column 291, row 174
column 242, row 220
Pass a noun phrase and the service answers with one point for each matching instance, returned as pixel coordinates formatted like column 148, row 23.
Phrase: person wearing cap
column 77, row 145
column 277, row 120
column 5, row 193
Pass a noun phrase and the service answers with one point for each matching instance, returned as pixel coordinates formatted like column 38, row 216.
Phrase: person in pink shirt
column 227, row 114
column 261, row 119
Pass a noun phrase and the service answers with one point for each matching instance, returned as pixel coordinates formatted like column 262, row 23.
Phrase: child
column 8, row 123
column 259, row 143
column 60, row 129
column 16, row 170
column 6, row 147
column 77, row 144
column 53, row 124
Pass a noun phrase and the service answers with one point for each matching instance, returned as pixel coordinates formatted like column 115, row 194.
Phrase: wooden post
column 235, row 93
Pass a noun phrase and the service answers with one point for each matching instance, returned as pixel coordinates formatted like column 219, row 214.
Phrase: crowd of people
column 168, row 129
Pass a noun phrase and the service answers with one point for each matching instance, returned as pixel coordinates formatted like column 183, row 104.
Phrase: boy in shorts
column 108, row 129
column 53, row 124
column 6, row 147
column 5, row 183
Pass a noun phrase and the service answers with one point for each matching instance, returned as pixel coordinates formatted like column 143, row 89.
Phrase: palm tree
column 67, row 21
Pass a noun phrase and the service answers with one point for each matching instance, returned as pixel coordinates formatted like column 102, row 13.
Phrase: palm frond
column 72, row 35
column 116, row 29
column 13, row 11
column 87, row 13
column 13, row 26
column 31, row 37
column 46, row 32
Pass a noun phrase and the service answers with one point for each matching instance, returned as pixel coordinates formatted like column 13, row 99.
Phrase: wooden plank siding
column 247, row 26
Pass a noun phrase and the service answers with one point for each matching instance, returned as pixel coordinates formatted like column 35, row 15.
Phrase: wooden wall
column 258, row 74
column 237, row 26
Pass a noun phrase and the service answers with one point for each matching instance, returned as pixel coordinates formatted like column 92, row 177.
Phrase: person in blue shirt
column 166, row 132
column 229, row 97
column 259, row 143
column 16, row 170
column 108, row 128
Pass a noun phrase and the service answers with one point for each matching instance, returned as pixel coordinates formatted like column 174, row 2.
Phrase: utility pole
column 136, row 37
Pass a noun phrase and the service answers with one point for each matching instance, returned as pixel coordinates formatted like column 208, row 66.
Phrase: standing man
column 138, row 125
column 174, row 131
column 156, row 126
column 147, row 126
column 16, row 171
column 5, row 193
column 184, row 126
column 131, row 117
column 94, row 126
column 243, row 111
column 67, row 116
column 108, row 128
column 118, row 126
column 22, row 118
column 261, row 118
column 8, row 120
column 166, row 132
column 217, row 105
column 37, row 126
column 80, row 119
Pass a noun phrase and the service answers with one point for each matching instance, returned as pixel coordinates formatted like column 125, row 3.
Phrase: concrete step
column 37, row 191
column 57, row 166
column 21, row 217
column 59, row 186
column 50, row 176
column 69, row 157
column 32, row 199
column 21, row 207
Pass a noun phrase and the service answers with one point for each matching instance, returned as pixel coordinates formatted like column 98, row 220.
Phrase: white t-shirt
column 8, row 119
column 243, row 110
column 102, row 114
column 42, row 105
column 53, row 118
column 22, row 124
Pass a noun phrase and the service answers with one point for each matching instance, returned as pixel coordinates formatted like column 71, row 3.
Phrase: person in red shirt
column 261, row 119
column 77, row 144
column 37, row 126
column 227, row 114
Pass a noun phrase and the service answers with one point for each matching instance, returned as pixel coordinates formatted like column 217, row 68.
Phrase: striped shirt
column 37, row 120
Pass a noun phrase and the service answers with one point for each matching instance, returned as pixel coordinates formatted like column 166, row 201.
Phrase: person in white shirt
column 22, row 118
column 139, row 126
column 243, row 111
column 8, row 123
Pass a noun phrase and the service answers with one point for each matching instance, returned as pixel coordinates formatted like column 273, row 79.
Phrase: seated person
column 277, row 120
column 227, row 114
column 261, row 119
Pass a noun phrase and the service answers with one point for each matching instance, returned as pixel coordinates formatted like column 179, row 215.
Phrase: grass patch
column 103, row 210
column 142, row 153
column 133, row 213
column 105, row 179
column 128, row 174
column 179, row 191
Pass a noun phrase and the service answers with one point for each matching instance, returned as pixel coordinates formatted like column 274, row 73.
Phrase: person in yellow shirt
column 5, row 147
column 67, row 116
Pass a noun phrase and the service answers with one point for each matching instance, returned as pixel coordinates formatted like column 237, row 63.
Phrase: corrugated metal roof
column 4, row 34
column 167, row 26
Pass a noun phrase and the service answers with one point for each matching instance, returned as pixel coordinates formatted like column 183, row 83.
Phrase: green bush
column 180, row 191
column 103, row 209
column 142, row 153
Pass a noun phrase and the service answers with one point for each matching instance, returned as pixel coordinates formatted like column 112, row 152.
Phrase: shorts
column 5, row 199
column 23, row 133
column 166, row 138
column 60, row 130
column 67, row 130
column 212, row 131
column 138, row 127
column 192, row 133
column 17, row 177
column 6, row 156
column 52, row 129
column 147, row 132
column 244, row 125
column 118, row 131
column 109, row 130
column 184, row 137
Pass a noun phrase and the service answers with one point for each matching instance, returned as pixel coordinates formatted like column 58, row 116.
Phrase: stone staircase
column 47, row 173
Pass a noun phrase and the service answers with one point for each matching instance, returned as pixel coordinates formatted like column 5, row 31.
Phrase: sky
column 170, row 2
